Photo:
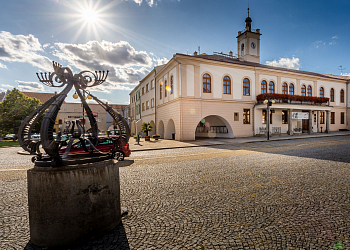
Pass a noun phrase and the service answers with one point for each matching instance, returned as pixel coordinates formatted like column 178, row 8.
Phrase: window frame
column 322, row 117
column 303, row 90
column 245, row 88
column 226, row 84
column 321, row 91
column 147, row 87
column 332, row 118
column 143, row 90
column 147, row 105
column 309, row 91
column 342, row 99
column 152, row 103
column 331, row 95
column 152, row 84
column 263, row 87
column 143, row 106
column 284, row 116
column 246, row 116
column 165, row 90
column 160, row 90
column 271, row 84
column 342, row 117
column 291, row 86
column 171, row 84
column 285, row 88
column 206, row 77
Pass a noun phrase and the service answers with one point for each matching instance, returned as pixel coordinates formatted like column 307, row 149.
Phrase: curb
column 227, row 143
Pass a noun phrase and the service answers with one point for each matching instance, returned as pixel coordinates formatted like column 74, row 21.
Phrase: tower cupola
column 248, row 23
column 248, row 42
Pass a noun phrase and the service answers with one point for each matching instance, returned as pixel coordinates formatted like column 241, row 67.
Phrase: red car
column 104, row 146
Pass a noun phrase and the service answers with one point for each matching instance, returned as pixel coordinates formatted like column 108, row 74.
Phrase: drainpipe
column 180, row 97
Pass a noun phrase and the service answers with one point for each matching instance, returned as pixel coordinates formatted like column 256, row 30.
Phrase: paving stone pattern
column 260, row 196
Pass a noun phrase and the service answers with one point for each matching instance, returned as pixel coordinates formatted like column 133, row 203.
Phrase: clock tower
column 248, row 42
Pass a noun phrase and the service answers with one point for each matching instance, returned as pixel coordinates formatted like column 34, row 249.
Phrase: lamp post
column 268, row 103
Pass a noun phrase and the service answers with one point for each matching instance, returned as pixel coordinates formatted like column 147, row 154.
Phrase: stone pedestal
column 72, row 204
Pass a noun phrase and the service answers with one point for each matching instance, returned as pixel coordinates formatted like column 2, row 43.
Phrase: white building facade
column 222, row 96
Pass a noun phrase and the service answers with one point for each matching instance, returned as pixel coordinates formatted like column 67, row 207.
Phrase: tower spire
column 248, row 22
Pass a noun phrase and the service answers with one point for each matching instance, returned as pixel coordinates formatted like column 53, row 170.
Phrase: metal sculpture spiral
column 85, row 79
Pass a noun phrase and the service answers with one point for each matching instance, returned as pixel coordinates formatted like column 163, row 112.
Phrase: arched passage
column 153, row 128
column 170, row 130
column 213, row 126
column 161, row 129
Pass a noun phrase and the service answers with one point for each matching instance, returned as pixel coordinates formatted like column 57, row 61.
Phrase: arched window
column 246, row 86
column 242, row 49
column 309, row 90
column 321, row 92
column 227, row 85
column 171, row 84
column 165, row 89
column 160, row 90
column 263, row 87
column 303, row 90
column 332, row 95
column 271, row 87
column 285, row 88
column 342, row 95
column 206, row 83
column 291, row 89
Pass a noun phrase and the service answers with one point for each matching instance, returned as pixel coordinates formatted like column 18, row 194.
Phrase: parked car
column 104, row 146
column 9, row 137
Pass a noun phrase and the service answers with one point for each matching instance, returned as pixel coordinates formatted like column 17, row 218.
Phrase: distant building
column 221, row 95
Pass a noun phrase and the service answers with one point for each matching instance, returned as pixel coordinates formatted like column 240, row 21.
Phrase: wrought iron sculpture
column 81, row 82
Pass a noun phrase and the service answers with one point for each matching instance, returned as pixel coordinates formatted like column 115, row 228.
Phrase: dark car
column 103, row 146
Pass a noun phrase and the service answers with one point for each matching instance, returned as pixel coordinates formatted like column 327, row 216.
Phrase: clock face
column 253, row 45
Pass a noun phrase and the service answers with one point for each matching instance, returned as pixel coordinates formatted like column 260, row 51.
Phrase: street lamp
column 269, row 103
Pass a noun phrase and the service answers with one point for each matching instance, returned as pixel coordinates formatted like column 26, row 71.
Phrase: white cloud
column 126, row 65
column 346, row 74
column 335, row 37
column 3, row 66
column 46, row 45
column 21, row 48
column 30, row 86
column 7, row 86
column 127, row 102
column 285, row 63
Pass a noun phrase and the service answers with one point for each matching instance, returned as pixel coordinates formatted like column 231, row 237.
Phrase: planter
column 147, row 138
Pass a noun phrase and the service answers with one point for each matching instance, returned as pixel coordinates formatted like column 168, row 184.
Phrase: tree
column 15, row 108
column 146, row 127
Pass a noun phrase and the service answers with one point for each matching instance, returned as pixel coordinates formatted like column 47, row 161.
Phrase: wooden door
column 305, row 125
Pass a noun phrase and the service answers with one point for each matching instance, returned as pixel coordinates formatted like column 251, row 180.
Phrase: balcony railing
column 293, row 99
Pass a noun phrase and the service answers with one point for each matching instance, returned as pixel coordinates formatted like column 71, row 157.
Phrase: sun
column 90, row 16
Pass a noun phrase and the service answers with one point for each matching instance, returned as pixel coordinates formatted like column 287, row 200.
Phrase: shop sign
column 95, row 114
column 300, row 115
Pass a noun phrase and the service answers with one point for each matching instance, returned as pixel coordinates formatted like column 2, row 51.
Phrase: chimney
column 195, row 53
column 239, row 33
column 258, row 31
column 230, row 53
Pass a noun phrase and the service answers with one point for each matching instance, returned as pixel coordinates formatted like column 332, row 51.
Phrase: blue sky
column 129, row 38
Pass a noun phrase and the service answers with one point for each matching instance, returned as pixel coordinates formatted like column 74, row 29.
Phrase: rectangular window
column 332, row 117
column 143, row 106
column 147, row 87
column 65, row 110
column 246, row 116
column 321, row 117
column 236, row 117
column 284, row 116
column 75, row 110
column 147, row 105
column 152, row 103
column 143, row 90
column 152, row 84
column 342, row 118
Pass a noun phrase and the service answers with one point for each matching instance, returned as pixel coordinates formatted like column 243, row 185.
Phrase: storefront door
column 305, row 125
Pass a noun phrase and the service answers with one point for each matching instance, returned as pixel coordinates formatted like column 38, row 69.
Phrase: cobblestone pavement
column 273, row 195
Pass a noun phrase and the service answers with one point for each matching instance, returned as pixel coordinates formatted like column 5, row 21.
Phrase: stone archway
column 154, row 129
column 161, row 129
column 170, row 130
column 213, row 126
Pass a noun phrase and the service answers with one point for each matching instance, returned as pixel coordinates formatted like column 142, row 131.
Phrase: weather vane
column 52, row 158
